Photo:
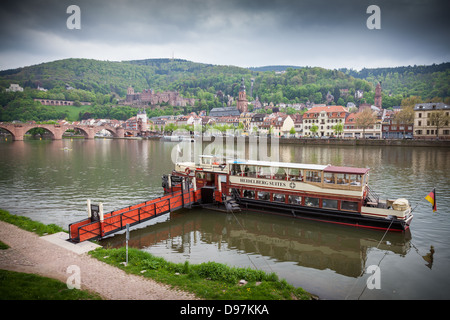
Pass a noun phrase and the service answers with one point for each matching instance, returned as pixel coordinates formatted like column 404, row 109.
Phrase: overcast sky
column 245, row 33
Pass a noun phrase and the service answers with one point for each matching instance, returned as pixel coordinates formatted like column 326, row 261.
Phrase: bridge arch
column 81, row 129
column 45, row 128
column 3, row 129
column 107, row 128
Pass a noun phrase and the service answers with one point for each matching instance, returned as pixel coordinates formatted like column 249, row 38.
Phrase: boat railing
column 372, row 197
column 236, row 195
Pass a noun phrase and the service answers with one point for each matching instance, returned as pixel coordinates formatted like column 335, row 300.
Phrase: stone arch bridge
column 18, row 130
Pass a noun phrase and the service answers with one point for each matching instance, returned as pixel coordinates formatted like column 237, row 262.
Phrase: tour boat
column 326, row 193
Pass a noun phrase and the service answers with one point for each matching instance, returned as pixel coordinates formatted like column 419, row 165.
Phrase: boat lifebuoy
column 365, row 193
column 187, row 171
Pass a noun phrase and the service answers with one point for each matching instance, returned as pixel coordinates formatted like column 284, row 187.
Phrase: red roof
column 332, row 112
column 350, row 170
column 351, row 118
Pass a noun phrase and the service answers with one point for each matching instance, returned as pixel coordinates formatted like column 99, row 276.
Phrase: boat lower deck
column 325, row 215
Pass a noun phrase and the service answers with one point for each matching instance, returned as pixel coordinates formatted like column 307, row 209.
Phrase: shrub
column 217, row 272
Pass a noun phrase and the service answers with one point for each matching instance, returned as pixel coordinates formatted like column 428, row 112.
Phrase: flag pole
column 414, row 207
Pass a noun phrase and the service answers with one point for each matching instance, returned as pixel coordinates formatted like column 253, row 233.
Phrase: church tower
column 130, row 94
column 377, row 98
column 242, row 103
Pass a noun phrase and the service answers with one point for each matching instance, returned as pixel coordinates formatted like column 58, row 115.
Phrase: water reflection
column 308, row 244
column 48, row 183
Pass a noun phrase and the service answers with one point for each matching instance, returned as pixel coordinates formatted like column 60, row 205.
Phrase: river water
column 50, row 181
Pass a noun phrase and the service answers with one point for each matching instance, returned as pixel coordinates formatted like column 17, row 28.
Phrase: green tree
column 292, row 131
column 314, row 129
column 338, row 129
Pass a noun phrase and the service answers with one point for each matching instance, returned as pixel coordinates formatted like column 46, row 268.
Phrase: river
column 50, row 181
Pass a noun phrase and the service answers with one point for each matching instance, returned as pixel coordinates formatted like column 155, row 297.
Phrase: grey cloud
column 274, row 30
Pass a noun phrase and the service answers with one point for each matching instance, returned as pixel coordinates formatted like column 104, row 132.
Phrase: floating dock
column 99, row 225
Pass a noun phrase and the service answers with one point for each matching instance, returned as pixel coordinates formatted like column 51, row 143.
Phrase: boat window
column 341, row 178
column 200, row 175
column 235, row 169
column 281, row 174
column 311, row 202
column 250, row 171
column 312, row 176
column 264, row 172
column 295, row 199
column 329, row 203
column 262, row 195
column 354, row 179
column 278, row 197
column 295, row 174
column 328, row 177
column 349, row 205
column 250, row 194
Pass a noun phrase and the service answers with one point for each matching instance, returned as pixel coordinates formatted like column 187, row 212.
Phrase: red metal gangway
column 115, row 221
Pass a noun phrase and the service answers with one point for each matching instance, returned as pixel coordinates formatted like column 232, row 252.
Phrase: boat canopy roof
column 325, row 168
column 278, row 164
column 351, row 170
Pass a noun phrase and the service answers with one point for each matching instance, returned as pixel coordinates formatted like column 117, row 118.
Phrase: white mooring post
column 89, row 208
column 100, row 211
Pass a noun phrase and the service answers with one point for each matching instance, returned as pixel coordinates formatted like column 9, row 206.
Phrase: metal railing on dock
column 115, row 221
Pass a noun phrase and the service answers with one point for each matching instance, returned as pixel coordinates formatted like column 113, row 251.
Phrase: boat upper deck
column 324, row 176
column 275, row 164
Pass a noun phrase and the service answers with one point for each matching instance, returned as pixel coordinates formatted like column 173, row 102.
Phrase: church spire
column 242, row 87
column 242, row 103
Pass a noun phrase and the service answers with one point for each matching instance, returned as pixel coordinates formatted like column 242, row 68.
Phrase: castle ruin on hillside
column 150, row 97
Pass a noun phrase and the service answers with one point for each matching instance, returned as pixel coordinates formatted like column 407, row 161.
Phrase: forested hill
column 274, row 68
column 425, row 81
column 103, row 82
column 367, row 72
column 109, row 76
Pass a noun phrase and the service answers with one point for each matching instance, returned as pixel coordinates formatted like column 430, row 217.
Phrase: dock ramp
column 99, row 225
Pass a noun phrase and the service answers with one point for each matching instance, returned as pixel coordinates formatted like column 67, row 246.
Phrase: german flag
column 431, row 197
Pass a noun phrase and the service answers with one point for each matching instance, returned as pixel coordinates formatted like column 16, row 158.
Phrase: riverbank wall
column 363, row 142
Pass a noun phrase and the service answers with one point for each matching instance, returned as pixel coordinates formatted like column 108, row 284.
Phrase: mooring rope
column 379, row 262
column 256, row 247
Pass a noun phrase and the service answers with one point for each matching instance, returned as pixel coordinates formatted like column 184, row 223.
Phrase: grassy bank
column 25, row 286
column 208, row 280
column 28, row 224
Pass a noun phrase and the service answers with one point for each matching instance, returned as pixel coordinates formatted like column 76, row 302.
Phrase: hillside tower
column 377, row 99
column 242, row 103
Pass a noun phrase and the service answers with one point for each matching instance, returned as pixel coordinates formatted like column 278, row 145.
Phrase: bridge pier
column 120, row 132
column 18, row 133
column 58, row 132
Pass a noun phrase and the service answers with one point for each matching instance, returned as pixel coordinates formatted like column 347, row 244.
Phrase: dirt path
column 33, row 254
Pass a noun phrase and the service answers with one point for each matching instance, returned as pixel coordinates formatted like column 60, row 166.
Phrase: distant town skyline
column 245, row 33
